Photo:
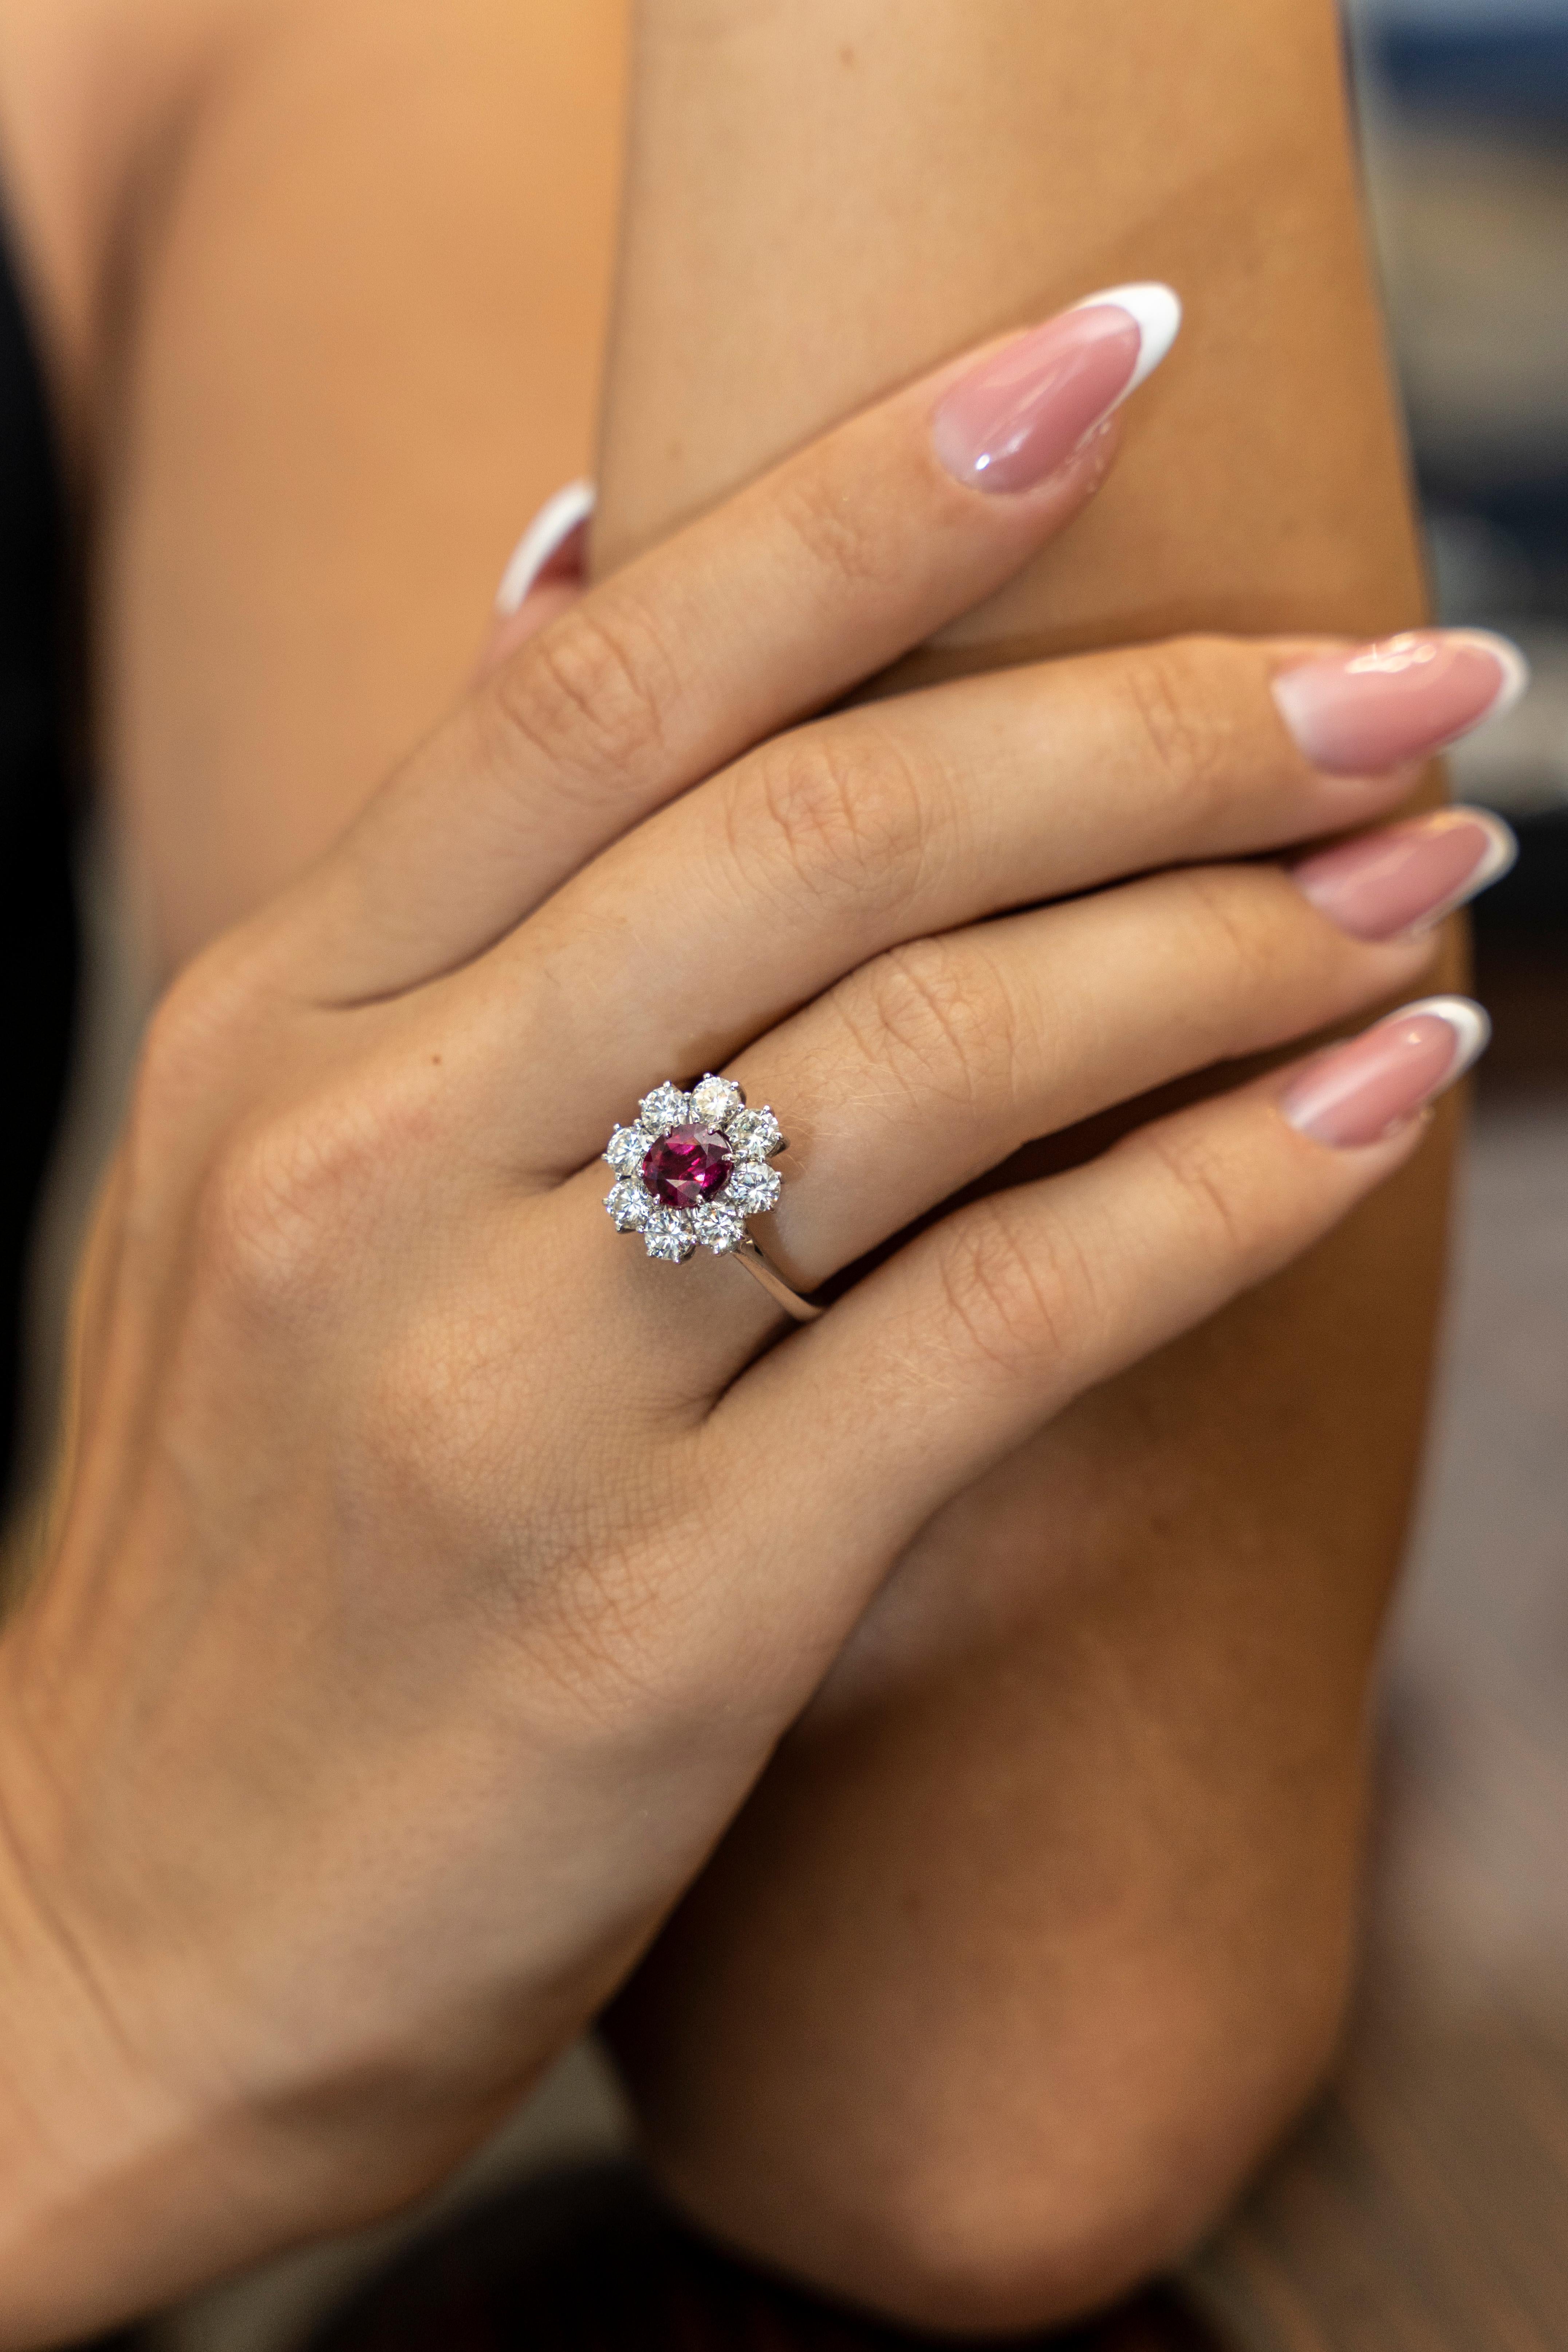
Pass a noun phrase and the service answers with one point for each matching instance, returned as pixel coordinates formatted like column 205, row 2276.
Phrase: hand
column 437, row 1572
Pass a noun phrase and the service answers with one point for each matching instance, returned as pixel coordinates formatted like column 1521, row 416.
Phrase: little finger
column 955, row 1350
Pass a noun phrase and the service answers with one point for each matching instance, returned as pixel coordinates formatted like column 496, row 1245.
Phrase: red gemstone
column 687, row 1165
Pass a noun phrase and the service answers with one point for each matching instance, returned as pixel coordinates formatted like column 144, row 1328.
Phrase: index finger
column 778, row 602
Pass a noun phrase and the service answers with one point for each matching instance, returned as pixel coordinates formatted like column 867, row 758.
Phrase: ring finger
column 934, row 1063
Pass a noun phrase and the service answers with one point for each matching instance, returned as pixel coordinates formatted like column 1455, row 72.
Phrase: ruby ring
column 692, row 1170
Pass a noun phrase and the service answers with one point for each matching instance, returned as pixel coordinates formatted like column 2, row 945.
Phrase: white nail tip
column 1156, row 311
column 1502, row 850
column 552, row 527
column 1471, row 1027
column 1515, row 670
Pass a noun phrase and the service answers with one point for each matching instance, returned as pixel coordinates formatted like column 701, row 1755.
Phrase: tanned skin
column 1038, row 1928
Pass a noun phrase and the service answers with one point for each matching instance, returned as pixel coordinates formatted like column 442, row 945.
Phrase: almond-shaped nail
column 1357, row 1094
column 554, row 537
column 1401, row 880
column 1400, row 699
column 1017, row 415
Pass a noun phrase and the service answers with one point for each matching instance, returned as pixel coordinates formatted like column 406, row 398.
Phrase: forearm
column 362, row 301
column 1039, row 1926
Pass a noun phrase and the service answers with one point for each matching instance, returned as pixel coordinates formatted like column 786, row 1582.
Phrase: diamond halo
column 691, row 1168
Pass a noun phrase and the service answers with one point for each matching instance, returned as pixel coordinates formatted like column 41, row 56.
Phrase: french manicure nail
column 1406, row 879
column 1018, row 415
column 1360, row 713
column 1356, row 1095
column 547, row 540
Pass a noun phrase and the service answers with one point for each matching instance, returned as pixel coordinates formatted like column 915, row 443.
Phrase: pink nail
column 1358, row 714
column 1012, row 420
column 1357, row 1094
column 1408, row 876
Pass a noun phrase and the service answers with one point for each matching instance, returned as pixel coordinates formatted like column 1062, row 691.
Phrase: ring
column 691, row 1172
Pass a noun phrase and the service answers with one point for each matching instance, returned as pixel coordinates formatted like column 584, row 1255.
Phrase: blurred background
column 1424, row 2208
column 1464, row 109
column 1427, row 2203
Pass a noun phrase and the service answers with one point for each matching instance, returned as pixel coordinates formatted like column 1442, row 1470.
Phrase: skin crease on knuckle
column 1019, row 1301
column 839, row 812
column 938, row 1017
column 589, row 694
column 824, row 503
column 1206, row 729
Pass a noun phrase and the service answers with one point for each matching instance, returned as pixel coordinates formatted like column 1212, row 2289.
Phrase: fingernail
column 1362, row 712
column 1357, row 1094
column 1022, row 412
column 548, row 540
column 1408, row 876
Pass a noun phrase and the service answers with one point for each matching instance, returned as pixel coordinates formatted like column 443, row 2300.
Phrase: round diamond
column 667, row 1235
column 717, row 1227
column 755, row 1134
column 753, row 1189
column 714, row 1100
column 686, row 1165
column 629, row 1205
column 627, row 1149
column 667, row 1107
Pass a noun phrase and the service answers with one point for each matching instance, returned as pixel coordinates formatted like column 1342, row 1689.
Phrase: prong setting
column 692, row 1168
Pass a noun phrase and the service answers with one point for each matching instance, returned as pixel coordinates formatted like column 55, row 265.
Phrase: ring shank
column 762, row 1269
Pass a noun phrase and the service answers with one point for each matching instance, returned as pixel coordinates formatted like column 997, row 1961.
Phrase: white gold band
column 762, row 1269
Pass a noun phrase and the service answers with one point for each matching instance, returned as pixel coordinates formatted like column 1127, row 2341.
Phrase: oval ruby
column 687, row 1166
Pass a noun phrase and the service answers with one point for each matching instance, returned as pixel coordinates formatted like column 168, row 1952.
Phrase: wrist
column 86, row 2131
column 142, row 2154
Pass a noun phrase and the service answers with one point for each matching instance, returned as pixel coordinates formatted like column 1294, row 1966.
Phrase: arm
column 326, row 287
column 1040, row 1928
column 389, row 1674
column 292, row 598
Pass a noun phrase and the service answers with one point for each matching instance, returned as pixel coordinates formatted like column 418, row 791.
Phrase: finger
column 779, row 601
column 929, row 1068
column 963, row 1344
column 934, row 1064
column 826, row 847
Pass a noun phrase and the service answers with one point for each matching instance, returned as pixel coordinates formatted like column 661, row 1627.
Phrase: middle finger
column 820, row 851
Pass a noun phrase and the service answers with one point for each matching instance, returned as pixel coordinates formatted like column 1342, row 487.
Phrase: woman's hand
column 437, row 1572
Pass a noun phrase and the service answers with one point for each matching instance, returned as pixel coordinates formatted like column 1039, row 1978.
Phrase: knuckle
column 201, row 1043
column 591, row 693
column 1245, row 939
column 822, row 500
column 1209, row 1190
column 291, row 1197
column 1179, row 697
column 437, row 1413
column 1018, row 1303
column 199, row 1031
column 632, row 1631
column 840, row 811
column 174, row 1064
column 937, row 1014
column 627, row 1609
column 271, row 1216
